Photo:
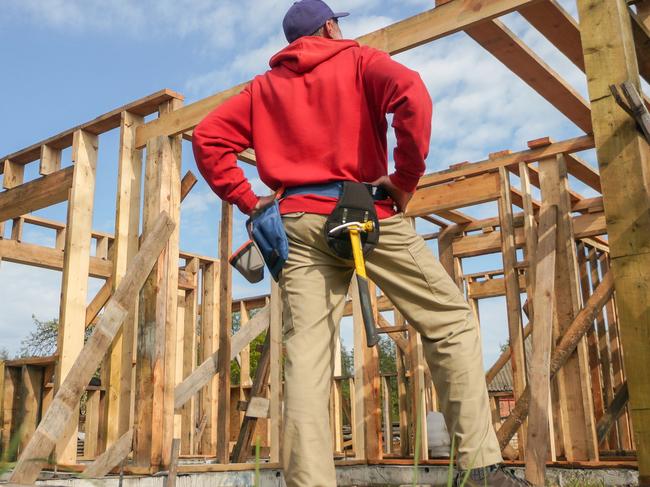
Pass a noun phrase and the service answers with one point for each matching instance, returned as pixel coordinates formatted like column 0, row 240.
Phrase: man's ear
column 329, row 29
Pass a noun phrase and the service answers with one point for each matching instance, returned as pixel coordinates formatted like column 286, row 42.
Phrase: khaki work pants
column 314, row 283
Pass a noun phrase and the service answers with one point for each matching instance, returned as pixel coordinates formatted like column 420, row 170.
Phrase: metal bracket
column 634, row 107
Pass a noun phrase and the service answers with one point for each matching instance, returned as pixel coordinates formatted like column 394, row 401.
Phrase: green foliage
column 42, row 341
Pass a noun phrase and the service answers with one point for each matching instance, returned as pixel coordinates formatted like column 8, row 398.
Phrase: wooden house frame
column 165, row 390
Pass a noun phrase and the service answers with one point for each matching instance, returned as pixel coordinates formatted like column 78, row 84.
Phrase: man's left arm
column 216, row 141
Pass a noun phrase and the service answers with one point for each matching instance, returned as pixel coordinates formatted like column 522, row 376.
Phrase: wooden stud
column 402, row 392
column 14, row 174
column 513, row 301
column 275, row 329
column 599, row 402
column 623, row 159
column 156, row 352
column 225, row 331
column 209, row 345
column 602, row 338
column 386, row 416
column 530, row 232
column 188, row 412
column 418, row 402
column 64, row 407
column 538, row 440
column 577, row 417
column 31, row 400
column 74, row 284
column 50, row 160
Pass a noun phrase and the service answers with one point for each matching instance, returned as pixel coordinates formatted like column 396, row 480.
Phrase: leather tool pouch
column 354, row 204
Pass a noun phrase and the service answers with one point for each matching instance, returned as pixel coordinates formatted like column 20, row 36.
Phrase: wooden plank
column 225, row 331
column 74, row 284
column 454, row 194
column 187, row 183
column 275, row 329
column 64, row 406
column 30, row 401
column 532, row 155
column 13, row 174
column 34, row 195
column 503, row 44
column 395, row 38
column 513, row 300
column 538, row 440
column 386, row 415
column 112, row 457
column 118, row 368
column 563, row 350
column 173, row 463
column 558, row 26
column 103, row 123
column 578, row 423
column 204, row 372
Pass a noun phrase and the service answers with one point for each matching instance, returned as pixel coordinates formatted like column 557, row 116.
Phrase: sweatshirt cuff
column 247, row 202
column 403, row 182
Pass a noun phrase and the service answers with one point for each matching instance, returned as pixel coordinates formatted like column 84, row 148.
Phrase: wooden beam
column 503, row 44
column 614, row 409
column 209, row 347
column 74, row 285
column 50, row 160
column 64, row 406
column 641, row 34
column 103, row 123
column 455, row 194
column 395, row 38
column 34, row 195
column 112, row 457
column 538, row 440
column 532, row 155
column 558, row 26
column 623, row 159
column 188, row 412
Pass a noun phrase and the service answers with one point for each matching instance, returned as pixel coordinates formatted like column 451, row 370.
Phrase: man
column 316, row 118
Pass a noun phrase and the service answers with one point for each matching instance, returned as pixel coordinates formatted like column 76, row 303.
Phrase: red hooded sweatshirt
column 317, row 116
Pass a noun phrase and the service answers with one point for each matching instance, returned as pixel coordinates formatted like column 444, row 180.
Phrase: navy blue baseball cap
column 305, row 17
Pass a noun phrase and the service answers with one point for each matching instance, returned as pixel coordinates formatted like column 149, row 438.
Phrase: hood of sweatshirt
column 305, row 53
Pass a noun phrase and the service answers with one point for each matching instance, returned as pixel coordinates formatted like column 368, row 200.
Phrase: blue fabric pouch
column 266, row 229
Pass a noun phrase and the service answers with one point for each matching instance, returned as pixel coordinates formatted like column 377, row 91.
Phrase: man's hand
column 263, row 202
column 400, row 197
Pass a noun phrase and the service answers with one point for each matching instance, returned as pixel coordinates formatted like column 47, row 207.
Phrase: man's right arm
column 216, row 141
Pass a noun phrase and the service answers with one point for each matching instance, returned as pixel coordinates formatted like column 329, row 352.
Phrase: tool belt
column 355, row 203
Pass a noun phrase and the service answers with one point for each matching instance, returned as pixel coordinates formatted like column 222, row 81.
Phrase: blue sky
column 68, row 61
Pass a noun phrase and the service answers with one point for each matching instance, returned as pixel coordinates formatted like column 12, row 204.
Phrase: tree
column 4, row 354
column 42, row 341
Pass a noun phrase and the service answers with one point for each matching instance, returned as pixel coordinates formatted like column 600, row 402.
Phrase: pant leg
column 410, row 275
column 313, row 284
